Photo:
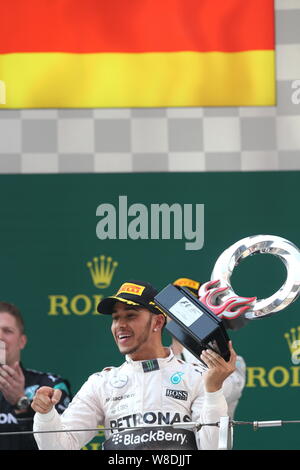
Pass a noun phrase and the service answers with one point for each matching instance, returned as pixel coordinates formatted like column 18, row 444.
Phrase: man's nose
column 121, row 323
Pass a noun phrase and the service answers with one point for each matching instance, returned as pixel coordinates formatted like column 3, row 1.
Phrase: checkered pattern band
column 165, row 139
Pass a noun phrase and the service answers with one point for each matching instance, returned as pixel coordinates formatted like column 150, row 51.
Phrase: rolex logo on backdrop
column 279, row 376
column 101, row 270
column 293, row 340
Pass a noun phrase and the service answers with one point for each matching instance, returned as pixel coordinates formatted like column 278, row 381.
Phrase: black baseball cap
column 132, row 293
column 190, row 284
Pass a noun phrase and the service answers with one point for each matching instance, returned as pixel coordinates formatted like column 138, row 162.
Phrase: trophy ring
column 277, row 246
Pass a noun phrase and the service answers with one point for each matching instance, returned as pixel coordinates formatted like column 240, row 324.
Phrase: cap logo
column 130, row 288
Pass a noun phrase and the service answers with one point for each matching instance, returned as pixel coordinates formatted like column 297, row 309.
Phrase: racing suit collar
column 162, row 361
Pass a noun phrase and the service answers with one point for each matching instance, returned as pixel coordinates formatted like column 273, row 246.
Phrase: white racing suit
column 138, row 393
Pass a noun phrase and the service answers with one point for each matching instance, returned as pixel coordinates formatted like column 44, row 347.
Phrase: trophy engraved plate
column 185, row 311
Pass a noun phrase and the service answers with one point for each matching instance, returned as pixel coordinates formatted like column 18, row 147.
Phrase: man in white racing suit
column 151, row 388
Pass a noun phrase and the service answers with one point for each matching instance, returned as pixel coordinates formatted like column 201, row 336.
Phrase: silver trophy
column 236, row 311
column 200, row 321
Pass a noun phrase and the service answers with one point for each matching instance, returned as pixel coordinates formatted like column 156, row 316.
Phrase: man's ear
column 23, row 341
column 160, row 320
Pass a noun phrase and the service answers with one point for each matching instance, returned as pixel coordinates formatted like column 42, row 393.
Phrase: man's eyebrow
column 9, row 327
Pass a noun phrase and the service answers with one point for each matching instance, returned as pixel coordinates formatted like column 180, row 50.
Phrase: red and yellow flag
column 137, row 53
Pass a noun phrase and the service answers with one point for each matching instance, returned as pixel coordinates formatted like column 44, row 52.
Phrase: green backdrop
column 48, row 235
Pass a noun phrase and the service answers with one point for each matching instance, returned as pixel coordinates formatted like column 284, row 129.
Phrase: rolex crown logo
column 102, row 269
column 293, row 340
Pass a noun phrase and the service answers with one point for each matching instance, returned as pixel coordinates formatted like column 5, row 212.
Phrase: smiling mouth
column 123, row 338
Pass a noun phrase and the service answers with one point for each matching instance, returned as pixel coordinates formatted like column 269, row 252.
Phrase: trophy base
column 193, row 324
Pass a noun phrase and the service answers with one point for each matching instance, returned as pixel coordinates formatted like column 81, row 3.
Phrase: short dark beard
column 144, row 337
